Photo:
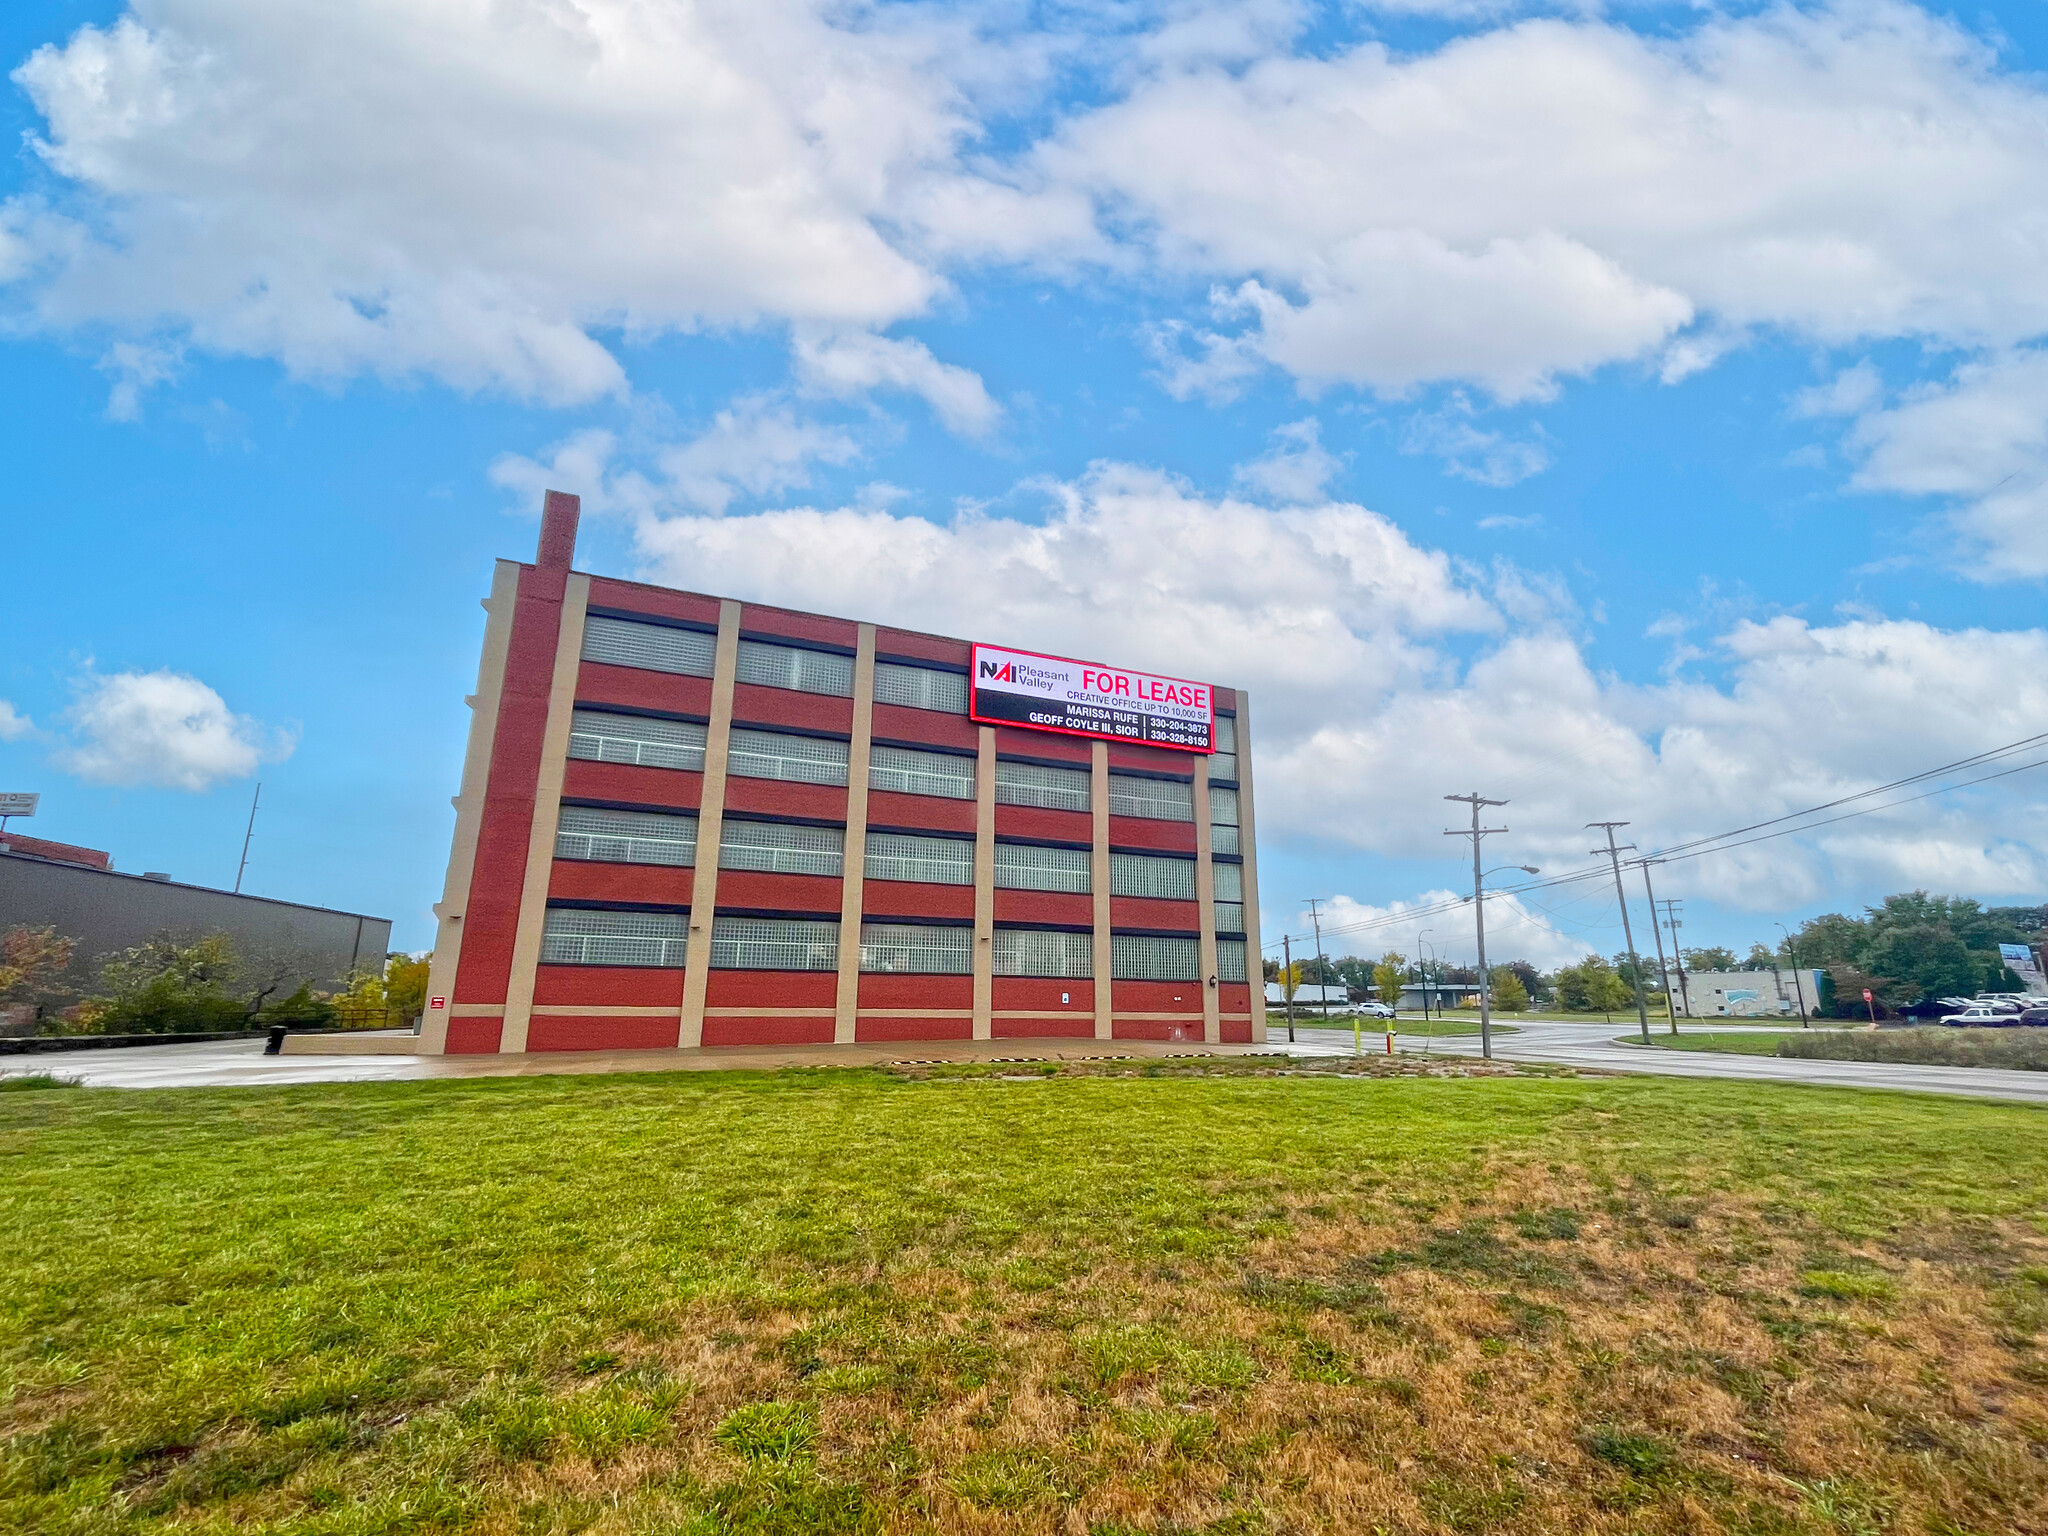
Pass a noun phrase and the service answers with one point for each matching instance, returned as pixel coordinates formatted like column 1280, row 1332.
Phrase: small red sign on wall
column 437, row 1002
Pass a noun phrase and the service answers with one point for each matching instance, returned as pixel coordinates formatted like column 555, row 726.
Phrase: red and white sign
column 437, row 1002
column 1866, row 994
column 1084, row 698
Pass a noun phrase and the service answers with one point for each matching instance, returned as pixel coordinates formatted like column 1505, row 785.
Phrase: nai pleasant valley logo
column 1006, row 673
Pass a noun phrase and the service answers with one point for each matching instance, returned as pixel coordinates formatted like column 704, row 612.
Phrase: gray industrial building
column 74, row 892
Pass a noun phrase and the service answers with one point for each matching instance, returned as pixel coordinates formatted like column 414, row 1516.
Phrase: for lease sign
column 1081, row 698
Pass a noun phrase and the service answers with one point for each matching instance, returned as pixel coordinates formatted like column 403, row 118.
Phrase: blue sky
column 1634, row 414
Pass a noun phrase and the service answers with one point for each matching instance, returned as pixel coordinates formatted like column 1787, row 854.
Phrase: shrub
column 2018, row 1046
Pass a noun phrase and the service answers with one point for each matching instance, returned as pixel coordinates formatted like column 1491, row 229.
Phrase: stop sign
column 1866, row 994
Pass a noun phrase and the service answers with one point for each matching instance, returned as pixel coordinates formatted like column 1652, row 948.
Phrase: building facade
column 77, row 892
column 1778, row 994
column 692, row 821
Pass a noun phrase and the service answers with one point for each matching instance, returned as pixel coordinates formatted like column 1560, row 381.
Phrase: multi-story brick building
column 693, row 821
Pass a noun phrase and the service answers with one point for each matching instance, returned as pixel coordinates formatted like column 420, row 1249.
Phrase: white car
column 1376, row 1011
column 1982, row 1016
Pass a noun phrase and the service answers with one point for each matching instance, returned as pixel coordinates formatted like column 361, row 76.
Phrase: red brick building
column 689, row 820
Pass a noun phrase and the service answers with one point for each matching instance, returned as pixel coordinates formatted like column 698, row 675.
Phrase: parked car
column 2035, row 1015
column 2011, row 1001
column 1982, row 1016
column 1377, row 1011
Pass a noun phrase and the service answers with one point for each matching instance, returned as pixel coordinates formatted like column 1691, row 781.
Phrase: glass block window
column 916, row 949
column 1021, row 867
column 1230, row 917
column 1144, row 874
column 788, row 666
column 920, row 688
column 1052, row 789
column 935, row 860
column 654, row 647
column 796, row 759
column 776, row 849
column 1230, row 960
column 1030, row 952
column 1222, row 805
column 1143, row 957
column 625, row 837
column 605, row 738
column 909, row 772
column 573, row 936
column 774, row 944
column 1156, row 799
column 1223, row 765
column 1228, row 881
column 1224, row 840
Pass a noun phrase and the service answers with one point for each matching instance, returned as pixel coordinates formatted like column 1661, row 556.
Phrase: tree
column 1527, row 974
column 1509, row 994
column 1760, row 958
column 1354, row 971
column 1830, row 939
column 1716, row 958
column 1591, row 986
column 405, row 984
column 1388, row 976
column 1289, row 977
column 32, row 964
column 1920, row 960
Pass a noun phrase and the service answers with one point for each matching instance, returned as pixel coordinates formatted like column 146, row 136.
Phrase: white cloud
column 1296, row 468
column 756, row 446
column 1441, row 919
column 1385, row 675
column 1849, row 393
column 136, row 367
column 14, row 726
column 1538, row 199
column 469, row 191
column 852, row 363
column 165, row 729
column 1980, row 440
column 1469, row 451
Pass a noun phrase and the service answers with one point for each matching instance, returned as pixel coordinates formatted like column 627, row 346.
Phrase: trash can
column 275, row 1043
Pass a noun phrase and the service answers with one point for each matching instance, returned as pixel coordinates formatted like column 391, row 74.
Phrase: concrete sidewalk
column 239, row 1063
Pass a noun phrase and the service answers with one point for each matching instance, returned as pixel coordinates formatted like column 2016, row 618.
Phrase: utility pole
column 1478, row 834
column 248, row 833
column 1658, row 934
column 1635, row 963
column 1287, row 981
column 1422, row 971
column 1322, row 965
column 1798, row 991
column 1674, row 923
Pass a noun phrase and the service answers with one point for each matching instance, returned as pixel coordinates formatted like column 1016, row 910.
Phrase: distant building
column 1746, row 994
column 77, row 892
column 1309, row 995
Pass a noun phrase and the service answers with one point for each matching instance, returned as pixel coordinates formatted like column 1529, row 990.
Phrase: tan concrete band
column 854, row 865
column 769, row 1013
column 469, row 804
column 590, row 1011
column 470, row 1011
column 1098, row 878
column 1248, row 849
column 710, row 826
column 985, row 884
column 1170, row 1018
column 1205, row 904
column 547, row 814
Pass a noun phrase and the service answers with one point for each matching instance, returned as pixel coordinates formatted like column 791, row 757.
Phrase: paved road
column 1592, row 1045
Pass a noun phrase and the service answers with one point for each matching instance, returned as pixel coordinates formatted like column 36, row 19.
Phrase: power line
column 1719, row 842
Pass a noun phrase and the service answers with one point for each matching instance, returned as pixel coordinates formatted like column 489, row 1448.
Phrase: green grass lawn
column 1407, row 1024
column 1735, row 1042
column 1138, row 1299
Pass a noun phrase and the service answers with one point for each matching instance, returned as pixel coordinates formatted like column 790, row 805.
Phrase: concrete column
column 469, row 806
column 1248, row 846
column 1098, row 879
column 710, row 823
column 985, row 885
column 547, row 813
column 847, row 1001
column 1205, row 903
